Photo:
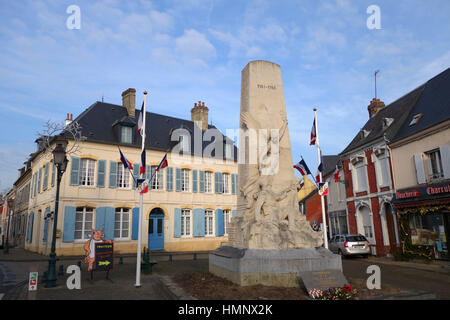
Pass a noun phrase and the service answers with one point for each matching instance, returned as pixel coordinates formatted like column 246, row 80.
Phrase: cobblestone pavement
column 419, row 277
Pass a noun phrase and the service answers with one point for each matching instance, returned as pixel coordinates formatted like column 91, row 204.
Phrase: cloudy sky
column 183, row 51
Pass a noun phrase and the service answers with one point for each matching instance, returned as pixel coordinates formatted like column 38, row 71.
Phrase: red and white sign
column 33, row 281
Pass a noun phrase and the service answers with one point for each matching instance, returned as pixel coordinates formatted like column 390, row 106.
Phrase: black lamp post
column 60, row 161
column 6, row 246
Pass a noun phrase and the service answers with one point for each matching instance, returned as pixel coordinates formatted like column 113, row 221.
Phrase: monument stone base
column 281, row 268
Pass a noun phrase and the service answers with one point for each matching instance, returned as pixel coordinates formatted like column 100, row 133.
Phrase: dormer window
column 126, row 134
column 415, row 119
column 364, row 133
column 387, row 122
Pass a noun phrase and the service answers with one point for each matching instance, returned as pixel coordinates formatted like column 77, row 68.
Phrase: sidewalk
column 439, row 266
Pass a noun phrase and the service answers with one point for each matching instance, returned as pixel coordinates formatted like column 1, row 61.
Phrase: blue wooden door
column 156, row 232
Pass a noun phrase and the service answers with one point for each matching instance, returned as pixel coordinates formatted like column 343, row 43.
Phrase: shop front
column 424, row 213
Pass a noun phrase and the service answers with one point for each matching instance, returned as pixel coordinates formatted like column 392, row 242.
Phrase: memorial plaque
column 323, row 280
column 104, row 256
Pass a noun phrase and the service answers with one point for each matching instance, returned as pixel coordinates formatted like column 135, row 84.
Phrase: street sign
column 323, row 188
column 33, row 281
column 104, row 256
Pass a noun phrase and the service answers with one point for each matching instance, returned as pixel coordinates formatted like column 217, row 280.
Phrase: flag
column 141, row 121
column 163, row 163
column 313, row 133
column 336, row 174
column 319, row 170
column 143, row 185
column 142, row 170
column 126, row 163
column 302, row 167
column 323, row 188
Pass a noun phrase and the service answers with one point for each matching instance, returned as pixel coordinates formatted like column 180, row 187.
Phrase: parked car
column 349, row 244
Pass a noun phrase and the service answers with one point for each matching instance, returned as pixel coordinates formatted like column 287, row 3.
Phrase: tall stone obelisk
column 270, row 242
column 267, row 215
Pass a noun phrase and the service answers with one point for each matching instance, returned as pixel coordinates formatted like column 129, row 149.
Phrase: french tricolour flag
column 142, row 170
column 126, row 163
column 313, row 134
column 141, row 121
column 163, row 163
column 302, row 167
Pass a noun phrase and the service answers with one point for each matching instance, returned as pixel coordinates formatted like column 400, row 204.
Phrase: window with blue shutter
column 177, row 223
column 69, row 224
column 216, row 182
column 169, row 179
column 30, row 228
column 112, row 174
column 39, row 180
column 136, row 170
column 44, row 238
column 75, row 172
column 219, row 223
column 135, row 224
column 194, row 181
column 45, row 177
column 178, row 179
column 233, row 183
column 100, row 218
column 101, row 173
column 199, row 222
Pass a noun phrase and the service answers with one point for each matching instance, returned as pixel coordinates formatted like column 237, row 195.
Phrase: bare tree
column 71, row 130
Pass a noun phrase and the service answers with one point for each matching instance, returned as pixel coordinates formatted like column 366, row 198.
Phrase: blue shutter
column 110, row 217
column 69, row 224
column 233, row 213
column 148, row 173
column 30, row 228
column 194, row 181
column 135, row 224
column 53, row 174
column 136, row 169
column 47, row 210
column 161, row 178
column 219, row 223
column 199, row 222
column 233, row 183
column 201, row 181
column 220, row 175
column 169, row 179
column 177, row 223
column 112, row 174
column 178, row 179
column 101, row 173
column 100, row 218
column 45, row 176
column 39, row 181
column 216, row 182
column 75, row 172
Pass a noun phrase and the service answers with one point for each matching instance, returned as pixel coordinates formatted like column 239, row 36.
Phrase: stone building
column 189, row 203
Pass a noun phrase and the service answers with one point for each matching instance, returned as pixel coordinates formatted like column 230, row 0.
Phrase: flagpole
column 138, row 258
column 322, row 200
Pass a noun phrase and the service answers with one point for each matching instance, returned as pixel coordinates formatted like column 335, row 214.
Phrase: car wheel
column 366, row 256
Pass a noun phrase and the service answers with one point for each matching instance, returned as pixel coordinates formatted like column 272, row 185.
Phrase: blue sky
column 183, row 51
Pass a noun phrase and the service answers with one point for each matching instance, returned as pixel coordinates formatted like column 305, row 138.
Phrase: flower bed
column 335, row 293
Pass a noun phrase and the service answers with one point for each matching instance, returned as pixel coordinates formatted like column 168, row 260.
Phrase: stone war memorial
column 270, row 242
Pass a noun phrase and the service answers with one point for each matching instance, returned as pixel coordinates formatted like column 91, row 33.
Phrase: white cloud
column 195, row 47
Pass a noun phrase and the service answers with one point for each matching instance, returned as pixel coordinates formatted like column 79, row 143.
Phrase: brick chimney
column 129, row 101
column 200, row 113
column 375, row 106
column 69, row 119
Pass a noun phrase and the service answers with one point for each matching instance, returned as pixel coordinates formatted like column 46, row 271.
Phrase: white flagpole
column 138, row 261
column 322, row 200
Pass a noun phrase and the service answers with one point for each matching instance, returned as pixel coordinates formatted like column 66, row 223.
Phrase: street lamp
column 6, row 246
column 60, row 161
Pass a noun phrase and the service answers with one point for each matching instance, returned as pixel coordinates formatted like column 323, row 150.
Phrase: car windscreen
column 355, row 238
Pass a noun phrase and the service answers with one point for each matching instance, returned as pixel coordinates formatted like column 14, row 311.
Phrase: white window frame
column 121, row 212
column 209, row 223
column 123, row 177
column 156, row 182
column 439, row 174
column 87, row 172
column 226, row 221
column 356, row 177
column 208, row 182
column 126, row 134
column 86, row 226
column 226, row 183
column 186, row 223
column 185, row 180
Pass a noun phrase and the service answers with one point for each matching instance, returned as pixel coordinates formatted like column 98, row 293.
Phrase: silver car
column 349, row 244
